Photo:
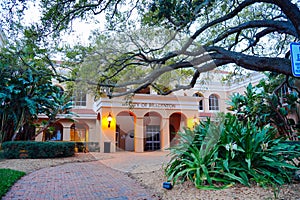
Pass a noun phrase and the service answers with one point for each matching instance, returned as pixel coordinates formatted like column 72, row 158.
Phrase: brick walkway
column 87, row 180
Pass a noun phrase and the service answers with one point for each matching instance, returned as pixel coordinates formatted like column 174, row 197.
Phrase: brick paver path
column 87, row 180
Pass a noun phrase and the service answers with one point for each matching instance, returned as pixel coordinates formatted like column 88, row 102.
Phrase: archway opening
column 78, row 132
column 54, row 132
column 125, row 131
column 177, row 123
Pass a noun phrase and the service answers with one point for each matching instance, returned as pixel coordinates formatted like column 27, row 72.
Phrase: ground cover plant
column 8, row 178
column 218, row 155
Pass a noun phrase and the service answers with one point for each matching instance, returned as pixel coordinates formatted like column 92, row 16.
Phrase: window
column 78, row 133
column 201, row 101
column 201, row 104
column 54, row 132
column 152, row 138
column 79, row 99
column 213, row 102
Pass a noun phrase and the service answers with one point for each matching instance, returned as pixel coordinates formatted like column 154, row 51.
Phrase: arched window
column 78, row 133
column 213, row 102
column 54, row 132
column 201, row 101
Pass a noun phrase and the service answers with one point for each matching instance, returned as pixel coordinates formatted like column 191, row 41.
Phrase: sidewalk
column 135, row 162
column 90, row 180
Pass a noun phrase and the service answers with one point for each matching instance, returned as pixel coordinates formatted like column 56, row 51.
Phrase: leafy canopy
column 251, row 34
column 27, row 90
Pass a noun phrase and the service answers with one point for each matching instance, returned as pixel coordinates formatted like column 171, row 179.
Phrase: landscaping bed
column 187, row 191
column 153, row 181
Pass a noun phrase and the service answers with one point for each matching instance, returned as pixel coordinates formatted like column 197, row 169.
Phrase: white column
column 98, row 134
column 139, row 135
column 165, row 134
column 66, row 134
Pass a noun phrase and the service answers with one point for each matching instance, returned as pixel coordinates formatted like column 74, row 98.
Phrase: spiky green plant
column 229, row 152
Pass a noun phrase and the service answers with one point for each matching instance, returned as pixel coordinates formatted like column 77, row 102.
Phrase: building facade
column 146, row 122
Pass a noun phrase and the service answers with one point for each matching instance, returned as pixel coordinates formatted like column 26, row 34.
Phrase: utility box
column 106, row 147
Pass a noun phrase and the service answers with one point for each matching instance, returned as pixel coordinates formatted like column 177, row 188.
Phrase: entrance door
column 117, row 137
column 152, row 138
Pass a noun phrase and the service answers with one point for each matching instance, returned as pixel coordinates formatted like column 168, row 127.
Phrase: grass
column 8, row 178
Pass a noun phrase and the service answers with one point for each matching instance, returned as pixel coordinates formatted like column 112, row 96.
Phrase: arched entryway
column 54, row 132
column 177, row 122
column 152, row 131
column 125, row 131
column 79, row 132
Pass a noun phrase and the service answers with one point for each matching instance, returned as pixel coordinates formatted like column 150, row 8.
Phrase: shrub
column 31, row 149
column 1, row 155
column 8, row 178
column 230, row 151
column 87, row 146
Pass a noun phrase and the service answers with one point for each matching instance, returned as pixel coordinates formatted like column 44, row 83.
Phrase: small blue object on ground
column 167, row 185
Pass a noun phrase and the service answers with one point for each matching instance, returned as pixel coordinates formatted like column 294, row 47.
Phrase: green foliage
column 1, row 155
column 27, row 91
column 8, row 178
column 217, row 155
column 31, row 149
column 265, row 103
column 180, row 13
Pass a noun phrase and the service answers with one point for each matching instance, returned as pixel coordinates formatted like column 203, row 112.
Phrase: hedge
column 32, row 149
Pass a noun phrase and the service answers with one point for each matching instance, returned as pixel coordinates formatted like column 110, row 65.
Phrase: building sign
column 295, row 58
column 151, row 105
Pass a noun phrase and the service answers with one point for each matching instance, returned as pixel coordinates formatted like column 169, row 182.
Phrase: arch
column 124, row 138
column 200, row 105
column 79, row 132
column 152, row 131
column 54, row 132
column 197, row 94
column 151, row 118
column 177, row 121
column 214, row 102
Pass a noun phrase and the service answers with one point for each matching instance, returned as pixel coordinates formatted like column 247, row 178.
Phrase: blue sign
column 295, row 58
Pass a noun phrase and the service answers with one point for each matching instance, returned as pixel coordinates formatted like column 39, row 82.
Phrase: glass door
column 152, row 138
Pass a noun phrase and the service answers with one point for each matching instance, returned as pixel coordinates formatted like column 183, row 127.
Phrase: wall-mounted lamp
column 109, row 119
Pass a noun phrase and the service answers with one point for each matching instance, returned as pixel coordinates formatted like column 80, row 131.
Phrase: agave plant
column 228, row 152
column 196, row 155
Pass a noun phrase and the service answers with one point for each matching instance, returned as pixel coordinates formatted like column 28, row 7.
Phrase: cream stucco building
column 148, row 121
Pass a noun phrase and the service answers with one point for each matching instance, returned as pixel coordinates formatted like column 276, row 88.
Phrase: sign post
column 295, row 58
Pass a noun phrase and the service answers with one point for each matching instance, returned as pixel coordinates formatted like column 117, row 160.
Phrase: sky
column 81, row 29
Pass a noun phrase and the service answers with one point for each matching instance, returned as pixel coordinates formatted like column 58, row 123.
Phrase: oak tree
column 251, row 34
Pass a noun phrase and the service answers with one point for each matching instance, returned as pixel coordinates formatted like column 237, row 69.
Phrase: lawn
column 8, row 178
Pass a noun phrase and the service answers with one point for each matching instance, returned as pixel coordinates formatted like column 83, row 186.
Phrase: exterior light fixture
column 109, row 119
